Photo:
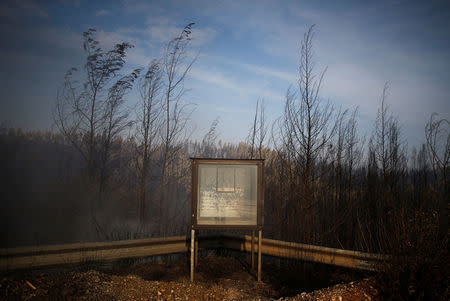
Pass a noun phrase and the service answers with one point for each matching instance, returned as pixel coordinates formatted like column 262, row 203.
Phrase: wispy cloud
column 250, row 51
column 259, row 73
column 216, row 78
column 138, row 56
column 164, row 33
column 109, row 38
column 259, row 70
column 247, row 90
column 202, row 36
column 103, row 12
column 149, row 43
column 351, row 85
column 233, row 110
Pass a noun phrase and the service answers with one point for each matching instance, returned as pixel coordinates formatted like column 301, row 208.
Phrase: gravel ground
column 354, row 291
column 217, row 278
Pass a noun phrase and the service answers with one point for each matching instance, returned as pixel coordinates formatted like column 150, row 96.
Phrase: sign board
column 227, row 194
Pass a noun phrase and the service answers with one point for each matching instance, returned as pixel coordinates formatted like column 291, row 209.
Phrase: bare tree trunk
column 175, row 70
column 437, row 133
column 91, row 120
column 307, row 128
column 149, row 117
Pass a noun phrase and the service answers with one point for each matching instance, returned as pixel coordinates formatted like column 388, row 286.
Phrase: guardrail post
column 196, row 251
column 253, row 250
column 192, row 253
column 259, row 254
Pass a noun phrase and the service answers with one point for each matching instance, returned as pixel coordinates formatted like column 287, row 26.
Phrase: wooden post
column 253, row 250
column 192, row 254
column 196, row 251
column 259, row 254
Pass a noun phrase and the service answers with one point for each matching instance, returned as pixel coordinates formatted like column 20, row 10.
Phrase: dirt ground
column 217, row 278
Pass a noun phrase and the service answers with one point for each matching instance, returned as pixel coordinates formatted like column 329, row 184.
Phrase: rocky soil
column 217, row 278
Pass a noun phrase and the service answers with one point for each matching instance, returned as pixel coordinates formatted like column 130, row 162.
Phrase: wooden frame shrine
column 227, row 194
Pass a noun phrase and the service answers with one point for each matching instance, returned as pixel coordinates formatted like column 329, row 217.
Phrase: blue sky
column 248, row 51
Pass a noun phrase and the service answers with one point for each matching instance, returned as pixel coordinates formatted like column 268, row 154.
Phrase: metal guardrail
column 55, row 255
column 44, row 256
column 283, row 249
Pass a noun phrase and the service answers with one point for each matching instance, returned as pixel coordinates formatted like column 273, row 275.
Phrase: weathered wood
column 253, row 250
column 259, row 254
column 192, row 253
column 196, row 251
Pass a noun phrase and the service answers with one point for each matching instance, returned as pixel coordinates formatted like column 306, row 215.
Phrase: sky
column 247, row 50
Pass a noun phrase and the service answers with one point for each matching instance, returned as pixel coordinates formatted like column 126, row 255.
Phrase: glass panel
column 227, row 194
column 225, row 179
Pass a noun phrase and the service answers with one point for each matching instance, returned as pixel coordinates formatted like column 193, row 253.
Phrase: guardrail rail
column 56, row 255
